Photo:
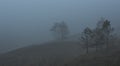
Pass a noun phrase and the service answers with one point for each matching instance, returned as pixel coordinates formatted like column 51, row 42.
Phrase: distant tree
column 107, row 31
column 55, row 30
column 60, row 30
column 86, row 38
column 103, row 33
column 98, row 38
column 101, row 36
column 64, row 30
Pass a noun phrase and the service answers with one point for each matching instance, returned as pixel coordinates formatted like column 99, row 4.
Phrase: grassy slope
column 111, row 58
column 59, row 54
column 53, row 53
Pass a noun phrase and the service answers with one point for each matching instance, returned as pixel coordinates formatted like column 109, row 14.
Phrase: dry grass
column 97, row 59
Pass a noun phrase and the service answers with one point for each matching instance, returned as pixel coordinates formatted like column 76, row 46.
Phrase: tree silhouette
column 101, row 36
column 107, row 31
column 86, row 37
column 103, row 33
column 60, row 30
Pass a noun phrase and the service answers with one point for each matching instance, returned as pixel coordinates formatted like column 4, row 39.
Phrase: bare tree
column 60, row 30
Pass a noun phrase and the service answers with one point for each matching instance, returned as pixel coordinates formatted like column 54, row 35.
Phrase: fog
column 26, row 22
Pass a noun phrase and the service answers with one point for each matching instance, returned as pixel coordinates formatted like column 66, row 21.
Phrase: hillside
column 53, row 53
column 109, row 58
column 66, row 53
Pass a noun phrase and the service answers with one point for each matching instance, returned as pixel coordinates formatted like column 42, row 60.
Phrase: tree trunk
column 87, row 50
column 96, row 48
column 107, row 44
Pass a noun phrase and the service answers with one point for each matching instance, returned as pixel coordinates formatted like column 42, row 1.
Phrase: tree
column 64, row 30
column 86, row 37
column 107, row 31
column 60, row 30
column 103, row 33
column 101, row 36
column 98, row 38
column 55, row 30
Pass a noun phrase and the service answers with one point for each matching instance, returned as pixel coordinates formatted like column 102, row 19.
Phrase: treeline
column 101, row 36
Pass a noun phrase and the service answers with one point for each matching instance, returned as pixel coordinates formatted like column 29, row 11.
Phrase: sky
column 26, row 22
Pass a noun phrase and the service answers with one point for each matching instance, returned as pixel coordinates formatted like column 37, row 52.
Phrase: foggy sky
column 26, row 22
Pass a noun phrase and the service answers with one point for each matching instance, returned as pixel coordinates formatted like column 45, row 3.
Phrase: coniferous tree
column 107, row 31
column 86, row 38
column 103, row 33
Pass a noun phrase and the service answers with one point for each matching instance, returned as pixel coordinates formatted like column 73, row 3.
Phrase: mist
column 28, row 22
